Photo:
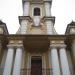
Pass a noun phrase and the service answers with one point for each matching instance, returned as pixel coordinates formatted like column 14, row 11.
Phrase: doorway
column 36, row 66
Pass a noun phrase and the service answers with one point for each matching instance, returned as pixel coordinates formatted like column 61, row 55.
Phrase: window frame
column 36, row 11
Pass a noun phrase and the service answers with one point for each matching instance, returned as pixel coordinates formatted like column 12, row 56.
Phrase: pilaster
column 26, row 7
column 23, row 20
column 49, row 21
column 50, row 63
column 0, row 52
column 47, row 4
column 73, row 53
column 1, row 56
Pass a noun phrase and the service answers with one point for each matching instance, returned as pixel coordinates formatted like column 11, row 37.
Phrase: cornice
column 50, row 1
column 49, row 37
column 52, row 18
column 47, row 0
column 24, row 18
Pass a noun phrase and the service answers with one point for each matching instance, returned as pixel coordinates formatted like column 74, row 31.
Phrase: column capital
column 20, row 46
column 58, row 46
column 21, row 18
column 10, row 46
column 15, row 43
column 15, row 46
column 51, row 18
column 53, row 46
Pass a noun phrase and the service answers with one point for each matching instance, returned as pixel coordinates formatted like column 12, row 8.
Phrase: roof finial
column 72, row 23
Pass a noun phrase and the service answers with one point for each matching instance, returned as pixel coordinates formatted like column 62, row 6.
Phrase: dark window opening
column 36, row 11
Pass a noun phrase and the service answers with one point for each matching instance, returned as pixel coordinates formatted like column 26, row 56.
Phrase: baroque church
column 36, row 48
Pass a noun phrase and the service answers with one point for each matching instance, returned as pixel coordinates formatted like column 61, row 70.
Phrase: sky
column 63, row 10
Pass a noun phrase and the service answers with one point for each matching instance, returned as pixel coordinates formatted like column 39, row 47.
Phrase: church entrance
column 36, row 66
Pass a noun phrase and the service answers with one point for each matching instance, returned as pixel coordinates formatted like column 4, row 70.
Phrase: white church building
column 36, row 48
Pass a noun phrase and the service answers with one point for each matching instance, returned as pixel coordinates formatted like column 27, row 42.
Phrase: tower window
column 36, row 11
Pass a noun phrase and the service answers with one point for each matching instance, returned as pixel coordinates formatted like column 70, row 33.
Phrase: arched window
column 36, row 11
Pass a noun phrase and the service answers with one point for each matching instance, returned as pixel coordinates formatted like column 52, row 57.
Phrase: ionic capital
column 20, row 46
column 58, row 44
column 10, row 46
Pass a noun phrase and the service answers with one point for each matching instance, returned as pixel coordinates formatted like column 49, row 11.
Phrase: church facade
column 36, row 48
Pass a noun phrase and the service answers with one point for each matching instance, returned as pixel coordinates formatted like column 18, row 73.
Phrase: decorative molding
column 58, row 44
column 15, row 43
column 52, row 18
column 47, row 0
column 24, row 18
column 57, row 41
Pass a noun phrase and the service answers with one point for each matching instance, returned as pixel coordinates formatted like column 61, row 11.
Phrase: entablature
column 36, row 42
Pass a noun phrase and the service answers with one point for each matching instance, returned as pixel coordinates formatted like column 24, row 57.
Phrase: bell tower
column 36, row 18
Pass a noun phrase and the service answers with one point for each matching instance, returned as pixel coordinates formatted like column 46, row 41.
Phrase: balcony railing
column 44, row 71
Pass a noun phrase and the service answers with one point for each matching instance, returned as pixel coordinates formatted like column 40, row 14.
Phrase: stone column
column 17, row 62
column 48, row 8
column 26, row 6
column 9, row 61
column 70, row 62
column 73, row 53
column 55, row 61
column 73, row 50
column 50, row 66
column 0, row 52
column 64, row 61
column 44, row 71
column 3, row 62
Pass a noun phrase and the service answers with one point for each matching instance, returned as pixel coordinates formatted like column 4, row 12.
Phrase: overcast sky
column 63, row 10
